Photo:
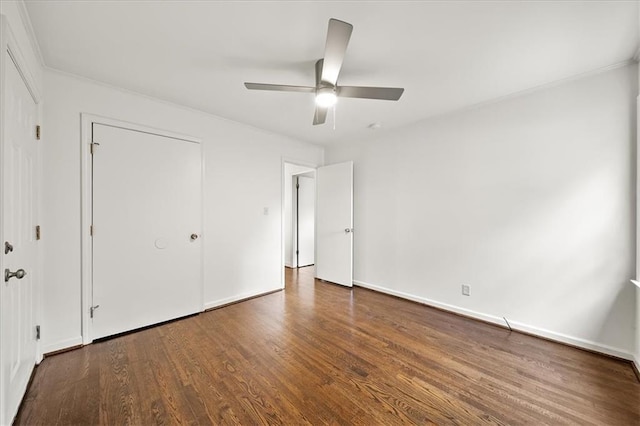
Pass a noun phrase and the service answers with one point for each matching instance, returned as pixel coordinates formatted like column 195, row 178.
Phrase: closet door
column 147, row 250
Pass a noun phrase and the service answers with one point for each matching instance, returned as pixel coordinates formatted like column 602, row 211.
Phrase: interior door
column 334, row 223
column 305, row 226
column 19, row 164
column 147, row 219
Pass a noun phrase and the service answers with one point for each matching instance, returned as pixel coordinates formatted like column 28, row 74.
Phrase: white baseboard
column 75, row 341
column 62, row 344
column 515, row 325
column 447, row 307
column 237, row 298
column 572, row 340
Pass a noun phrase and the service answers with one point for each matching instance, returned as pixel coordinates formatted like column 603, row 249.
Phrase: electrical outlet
column 465, row 290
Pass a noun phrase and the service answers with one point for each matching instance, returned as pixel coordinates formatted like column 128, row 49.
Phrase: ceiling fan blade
column 382, row 93
column 279, row 87
column 338, row 36
column 320, row 115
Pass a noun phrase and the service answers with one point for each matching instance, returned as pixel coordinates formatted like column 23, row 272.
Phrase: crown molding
column 534, row 89
column 31, row 34
column 172, row 104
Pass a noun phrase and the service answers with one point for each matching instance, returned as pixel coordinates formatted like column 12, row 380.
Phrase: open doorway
column 299, row 216
column 303, row 218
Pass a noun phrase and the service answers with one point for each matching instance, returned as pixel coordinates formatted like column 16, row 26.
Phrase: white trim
column 31, row 34
column 180, row 106
column 637, row 218
column 447, row 307
column 39, row 302
column 127, row 125
column 572, row 340
column 512, row 95
column 543, row 86
column 456, row 110
column 86, row 206
column 540, row 332
column 63, row 344
column 86, row 252
column 238, row 298
column 11, row 45
column 203, row 221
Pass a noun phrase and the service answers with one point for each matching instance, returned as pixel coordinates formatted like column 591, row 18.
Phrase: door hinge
column 37, row 332
column 91, row 230
column 92, row 310
column 38, row 132
column 94, row 145
column 38, row 233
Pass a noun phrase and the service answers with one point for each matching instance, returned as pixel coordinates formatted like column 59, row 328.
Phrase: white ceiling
column 447, row 55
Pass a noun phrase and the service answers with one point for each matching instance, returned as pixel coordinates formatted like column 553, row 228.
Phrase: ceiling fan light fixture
column 326, row 97
column 327, row 70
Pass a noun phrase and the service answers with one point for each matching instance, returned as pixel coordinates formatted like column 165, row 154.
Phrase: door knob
column 7, row 247
column 194, row 237
column 19, row 274
column 347, row 230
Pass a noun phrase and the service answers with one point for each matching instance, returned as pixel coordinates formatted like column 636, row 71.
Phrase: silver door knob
column 194, row 237
column 19, row 274
column 347, row 230
column 7, row 247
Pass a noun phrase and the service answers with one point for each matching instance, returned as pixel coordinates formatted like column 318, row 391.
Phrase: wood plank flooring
column 318, row 353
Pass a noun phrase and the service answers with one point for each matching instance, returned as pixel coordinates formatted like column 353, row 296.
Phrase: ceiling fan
column 327, row 71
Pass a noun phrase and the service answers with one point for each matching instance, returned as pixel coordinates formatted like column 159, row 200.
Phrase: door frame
column 283, row 182
column 86, row 202
column 11, row 47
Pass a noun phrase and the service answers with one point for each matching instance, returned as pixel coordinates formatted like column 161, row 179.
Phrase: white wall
column 530, row 201
column 243, row 176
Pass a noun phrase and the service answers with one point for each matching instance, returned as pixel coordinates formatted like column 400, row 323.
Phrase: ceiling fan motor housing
column 326, row 96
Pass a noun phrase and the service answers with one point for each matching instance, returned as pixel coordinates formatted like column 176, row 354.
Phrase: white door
column 334, row 223
column 305, row 215
column 147, row 220
column 19, row 164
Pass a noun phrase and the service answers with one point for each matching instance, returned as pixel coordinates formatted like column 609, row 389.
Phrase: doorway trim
column 283, row 177
column 86, row 203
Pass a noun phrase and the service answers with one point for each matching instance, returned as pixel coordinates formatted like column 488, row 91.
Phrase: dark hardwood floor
column 318, row 353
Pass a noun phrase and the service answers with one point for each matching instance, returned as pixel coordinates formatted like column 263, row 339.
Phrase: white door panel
column 306, row 218
column 146, row 205
column 18, row 222
column 334, row 233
